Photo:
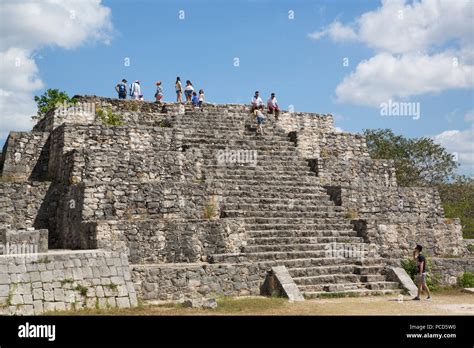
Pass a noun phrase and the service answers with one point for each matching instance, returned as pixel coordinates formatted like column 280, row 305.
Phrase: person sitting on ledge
column 422, row 269
column 256, row 102
column 272, row 105
column 121, row 89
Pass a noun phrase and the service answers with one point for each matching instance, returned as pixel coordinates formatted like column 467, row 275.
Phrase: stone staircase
column 288, row 216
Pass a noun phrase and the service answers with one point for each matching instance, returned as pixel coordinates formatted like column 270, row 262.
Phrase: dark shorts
column 123, row 95
column 188, row 93
column 178, row 92
column 260, row 120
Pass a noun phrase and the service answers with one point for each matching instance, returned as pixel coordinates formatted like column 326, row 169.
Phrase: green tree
column 458, row 201
column 418, row 161
column 49, row 99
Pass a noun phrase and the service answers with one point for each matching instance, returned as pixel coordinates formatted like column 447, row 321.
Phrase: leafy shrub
column 351, row 214
column 466, row 280
column 109, row 118
column 210, row 209
column 165, row 123
column 410, row 266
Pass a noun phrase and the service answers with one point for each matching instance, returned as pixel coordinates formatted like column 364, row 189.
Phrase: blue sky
column 276, row 54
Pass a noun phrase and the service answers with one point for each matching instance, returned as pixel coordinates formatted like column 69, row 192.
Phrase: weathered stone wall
column 18, row 241
column 25, row 156
column 297, row 121
column 447, row 270
column 80, row 113
column 27, row 204
column 65, row 280
column 174, row 241
column 179, row 281
column 397, row 237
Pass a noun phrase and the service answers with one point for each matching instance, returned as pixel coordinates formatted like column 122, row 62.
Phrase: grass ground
column 446, row 302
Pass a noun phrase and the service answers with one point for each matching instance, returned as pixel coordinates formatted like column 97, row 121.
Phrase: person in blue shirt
column 194, row 100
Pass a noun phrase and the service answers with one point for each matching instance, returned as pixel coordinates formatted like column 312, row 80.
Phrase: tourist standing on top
column 194, row 100
column 258, row 112
column 272, row 105
column 179, row 89
column 159, row 92
column 188, row 91
column 135, row 90
column 256, row 101
column 201, row 98
column 121, row 89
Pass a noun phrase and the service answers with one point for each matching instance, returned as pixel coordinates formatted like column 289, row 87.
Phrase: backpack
column 122, row 89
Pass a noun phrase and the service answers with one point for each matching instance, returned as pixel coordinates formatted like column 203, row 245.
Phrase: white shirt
column 273, row 102
column 136, row 89
column 257, row 101
column 189, row 88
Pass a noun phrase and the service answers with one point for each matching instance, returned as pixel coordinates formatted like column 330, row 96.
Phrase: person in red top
column 272, row 106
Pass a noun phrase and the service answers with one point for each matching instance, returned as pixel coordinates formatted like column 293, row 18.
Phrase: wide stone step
column 276, row 197
column 223, row 143
column 286, row 247
column 279, row 213
column 271, row 179
column 283, row 225
column 303, row 185
column 341, row 274
column 338, row 278
column 249, row 167
column 354, row 293
column 300, row 240
column 304, row 223
column 282, row 173
column 254, row 191
column 209, row 150
column 284, row 206
column 342, row 287
column 285, row 255
column 321, row 270
column 263, row 158
column 321, row 233
column 318, row 262
column 368, row 270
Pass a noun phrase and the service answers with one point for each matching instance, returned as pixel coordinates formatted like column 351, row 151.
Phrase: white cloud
column 27, row 26
column 398, row 27
column 460, row 142
column 336, row 31
column 411, row 55
column 65, row 23
column 384, row 77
